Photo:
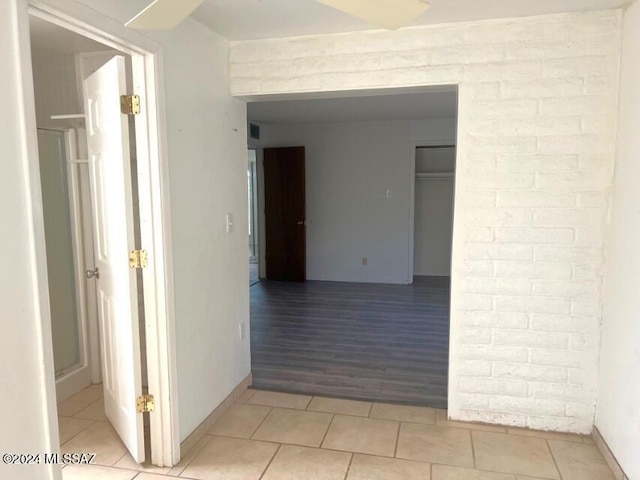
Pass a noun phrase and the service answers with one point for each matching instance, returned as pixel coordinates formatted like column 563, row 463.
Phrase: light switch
column 229, row 223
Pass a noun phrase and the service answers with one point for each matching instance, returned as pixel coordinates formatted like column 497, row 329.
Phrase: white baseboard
column 72, row 383
column 195, row 436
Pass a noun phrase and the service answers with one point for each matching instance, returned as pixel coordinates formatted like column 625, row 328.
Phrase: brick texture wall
column 536, row 136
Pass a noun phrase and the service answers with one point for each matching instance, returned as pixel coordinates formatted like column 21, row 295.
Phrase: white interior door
column 111, row 200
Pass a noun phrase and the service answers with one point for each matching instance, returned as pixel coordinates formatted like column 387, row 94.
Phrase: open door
column 284, row 208
column 112, row 206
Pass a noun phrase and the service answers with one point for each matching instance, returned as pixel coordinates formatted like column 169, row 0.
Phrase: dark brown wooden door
column 284, row 207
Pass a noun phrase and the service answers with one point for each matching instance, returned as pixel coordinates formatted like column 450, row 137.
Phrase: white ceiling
column 252, row 19
column 414, row 106
column 49, row 38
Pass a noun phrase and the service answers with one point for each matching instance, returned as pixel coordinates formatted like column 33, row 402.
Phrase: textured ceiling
column 252, row 19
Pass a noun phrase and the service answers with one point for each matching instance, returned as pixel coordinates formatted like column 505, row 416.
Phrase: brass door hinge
column 145, row 403
column 130, row 104
column 138, row 259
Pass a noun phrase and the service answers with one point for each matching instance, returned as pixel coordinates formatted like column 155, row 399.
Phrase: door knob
column 300, row 222
column 93, row 273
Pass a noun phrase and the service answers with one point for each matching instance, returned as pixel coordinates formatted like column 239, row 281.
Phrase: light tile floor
column 276, row 436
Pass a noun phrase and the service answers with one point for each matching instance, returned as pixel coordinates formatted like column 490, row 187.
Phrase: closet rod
column 433, row 176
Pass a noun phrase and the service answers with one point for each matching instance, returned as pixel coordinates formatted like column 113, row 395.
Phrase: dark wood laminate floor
column 353, row 340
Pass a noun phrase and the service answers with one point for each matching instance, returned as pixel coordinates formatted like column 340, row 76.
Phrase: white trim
column 457, row 249
column 154, row 202
column 262, row 221
column 412, row 196
column 80, row 377
column 72, row 382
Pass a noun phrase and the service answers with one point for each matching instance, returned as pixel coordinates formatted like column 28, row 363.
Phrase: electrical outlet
column 229, row 219
column 243, row 332
column 365, row 261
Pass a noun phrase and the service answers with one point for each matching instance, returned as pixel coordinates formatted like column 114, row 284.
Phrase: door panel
column 112, row 206
column 284, row 189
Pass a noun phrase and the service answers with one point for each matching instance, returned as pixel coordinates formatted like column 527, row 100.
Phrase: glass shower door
column 65, row 326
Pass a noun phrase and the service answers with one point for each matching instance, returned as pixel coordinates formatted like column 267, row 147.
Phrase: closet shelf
column 425, row 176
column 68, row 117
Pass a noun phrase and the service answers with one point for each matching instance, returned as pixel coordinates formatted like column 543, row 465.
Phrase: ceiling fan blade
column 389, row 14
column 163, row 14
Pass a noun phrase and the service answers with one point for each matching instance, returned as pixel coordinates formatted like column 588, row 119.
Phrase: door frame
column 255, row 200
column 153, row 183
column 412, row 194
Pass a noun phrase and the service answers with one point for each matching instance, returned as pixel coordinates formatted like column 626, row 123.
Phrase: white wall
column 55, row 86
column 618, row 413
column 28, row 419
column 537, row 105
column 350, row 167
column 208, row 176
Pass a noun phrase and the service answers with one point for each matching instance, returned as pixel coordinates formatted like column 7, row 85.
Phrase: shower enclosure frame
column 80, row 375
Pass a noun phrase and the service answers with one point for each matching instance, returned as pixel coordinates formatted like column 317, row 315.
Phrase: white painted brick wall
column 537, row 112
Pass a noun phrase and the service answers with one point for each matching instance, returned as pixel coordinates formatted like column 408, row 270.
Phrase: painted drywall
column 433, row 211
column 618, row 412
column 357, row 196
column 207, row 142
column 537, row 105
column 27, row 408
column 55, row 86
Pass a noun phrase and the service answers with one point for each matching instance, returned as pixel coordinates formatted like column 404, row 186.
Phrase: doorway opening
column 99, row 181
column 433, row 210
column 370, row 321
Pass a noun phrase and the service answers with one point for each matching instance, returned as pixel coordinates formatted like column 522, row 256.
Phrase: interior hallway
column 276, row 436
column 353, row 340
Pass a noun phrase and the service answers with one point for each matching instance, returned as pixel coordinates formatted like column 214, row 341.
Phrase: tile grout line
column 555, row 463
column 260, row 424
column 499, row 428
column 346, row 474
column 306, row 409
column 326, row 432
column 311, row 397
column 473, row 449
column 311, row 447
column 126, row 452
column 74, row 436
column 270, row 461
column 115, row 467
column 253, row 392
column 195, row 455
column 395, row 450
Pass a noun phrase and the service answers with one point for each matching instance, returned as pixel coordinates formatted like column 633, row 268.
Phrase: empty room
column 355, row 210
column 393, row 239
